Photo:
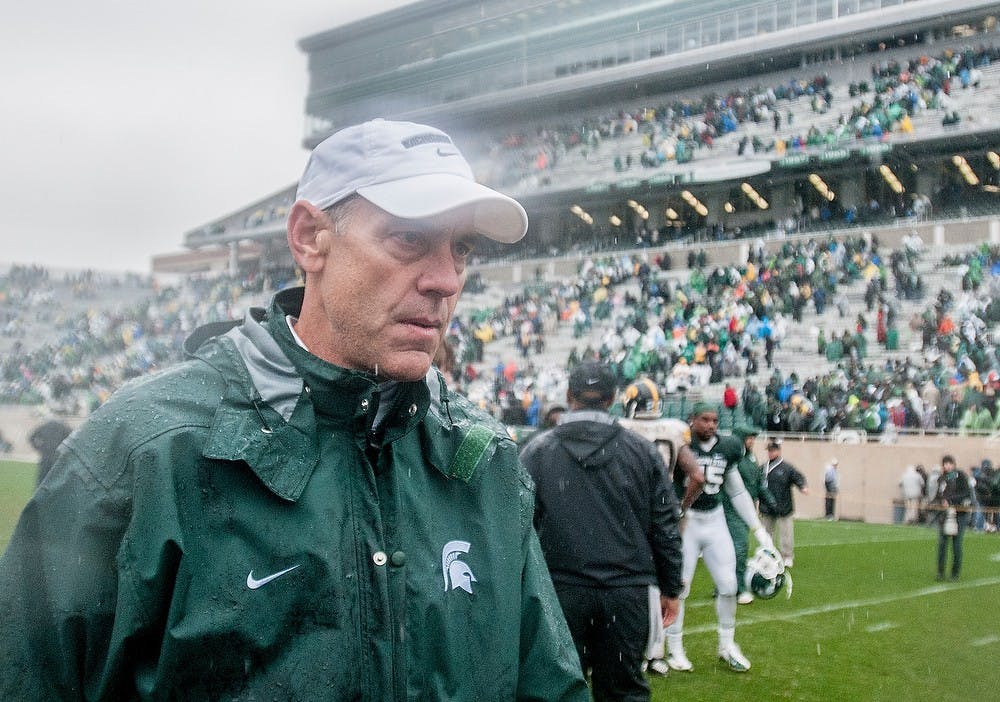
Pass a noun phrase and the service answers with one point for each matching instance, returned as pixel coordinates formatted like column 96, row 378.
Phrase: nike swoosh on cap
column 253, row 583
column 593, row 381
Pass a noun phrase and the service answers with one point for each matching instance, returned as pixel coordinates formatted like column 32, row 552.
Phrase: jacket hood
column 589, row 436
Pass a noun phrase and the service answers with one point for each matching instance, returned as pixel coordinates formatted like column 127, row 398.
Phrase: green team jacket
column 232, row 528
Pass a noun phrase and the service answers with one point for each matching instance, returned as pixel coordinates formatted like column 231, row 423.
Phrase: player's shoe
column 788, row 563
column 734, row 658
column 744, row 598
column 656, row 666
column 678, row 661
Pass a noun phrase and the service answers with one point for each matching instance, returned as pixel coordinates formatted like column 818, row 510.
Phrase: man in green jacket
column 302, row 510
column 753, row 480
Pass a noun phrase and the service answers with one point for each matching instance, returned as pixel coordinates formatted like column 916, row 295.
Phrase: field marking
column 929, row 536
column 995, row 557
column 986, row 641
column 747, row 620
column 882, row 626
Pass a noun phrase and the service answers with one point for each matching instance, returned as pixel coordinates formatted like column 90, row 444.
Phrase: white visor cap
column 411, row 171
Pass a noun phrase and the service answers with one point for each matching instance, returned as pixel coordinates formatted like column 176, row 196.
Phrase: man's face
column 388, row 289
column 704, row 425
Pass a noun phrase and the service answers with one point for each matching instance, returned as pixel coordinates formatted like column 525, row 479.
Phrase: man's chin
column 406, row 366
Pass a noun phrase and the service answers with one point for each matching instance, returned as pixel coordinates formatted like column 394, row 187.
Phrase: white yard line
column 744, row 619
column 986, row 641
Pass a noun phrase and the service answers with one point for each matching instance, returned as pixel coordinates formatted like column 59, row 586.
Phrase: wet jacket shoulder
column 604, row 510
column 257, row 524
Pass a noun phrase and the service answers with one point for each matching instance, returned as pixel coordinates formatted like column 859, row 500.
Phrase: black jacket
column 778, row 479
column 604, row 509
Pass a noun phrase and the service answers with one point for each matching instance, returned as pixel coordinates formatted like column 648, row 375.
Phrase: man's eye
column 463, row 248
column 417, row 241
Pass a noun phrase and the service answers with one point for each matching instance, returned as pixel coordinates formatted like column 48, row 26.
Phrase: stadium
column 671, row 131
column 658, row 148
column 698, row 123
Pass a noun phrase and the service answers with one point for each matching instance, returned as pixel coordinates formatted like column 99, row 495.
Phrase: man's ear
column 309, row 236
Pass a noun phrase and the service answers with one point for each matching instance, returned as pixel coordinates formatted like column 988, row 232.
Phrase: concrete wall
column 870, row 473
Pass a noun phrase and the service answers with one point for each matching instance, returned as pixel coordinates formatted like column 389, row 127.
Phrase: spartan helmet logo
column 457, row 573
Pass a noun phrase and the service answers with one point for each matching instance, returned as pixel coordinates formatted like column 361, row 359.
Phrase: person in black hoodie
column 608, row 520
column 954, row 500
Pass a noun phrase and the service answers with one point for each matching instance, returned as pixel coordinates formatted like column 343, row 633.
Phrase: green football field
column 866, row 619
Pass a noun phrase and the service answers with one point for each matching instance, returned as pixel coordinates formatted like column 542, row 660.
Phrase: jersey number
column 714, row 475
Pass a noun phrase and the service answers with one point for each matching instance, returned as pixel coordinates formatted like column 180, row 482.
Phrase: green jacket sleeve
column 59, row 591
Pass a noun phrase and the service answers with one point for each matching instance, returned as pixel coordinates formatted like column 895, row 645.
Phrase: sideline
column 749, row 619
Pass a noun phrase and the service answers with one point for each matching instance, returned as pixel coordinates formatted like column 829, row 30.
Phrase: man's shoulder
column 460, row 438
column 456, row 410
column 143, row 410
column 728, row 446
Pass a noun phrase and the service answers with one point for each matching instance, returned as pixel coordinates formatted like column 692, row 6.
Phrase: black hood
column 590, row 437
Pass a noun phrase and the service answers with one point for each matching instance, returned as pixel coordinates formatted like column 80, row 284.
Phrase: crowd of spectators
column 689, row 333
column 72, row 340
column 676, row 129
column 727, row 322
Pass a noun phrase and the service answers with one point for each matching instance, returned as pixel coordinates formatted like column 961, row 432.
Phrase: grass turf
column 17, row 482
column 866, row 621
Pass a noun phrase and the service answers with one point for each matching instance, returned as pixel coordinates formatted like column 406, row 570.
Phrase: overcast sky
column 125, row 124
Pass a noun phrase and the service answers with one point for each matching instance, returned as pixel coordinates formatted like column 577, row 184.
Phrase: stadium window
column 709, row 32
column 691, row 34
column 728, row 30
column 784, row 14
column 805, row 12
column 847, row 7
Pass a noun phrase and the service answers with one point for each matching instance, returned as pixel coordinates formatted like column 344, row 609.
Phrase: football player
column 642, row 410
column 707, row 535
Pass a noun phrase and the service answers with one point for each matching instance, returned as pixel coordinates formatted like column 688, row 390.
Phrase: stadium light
column 965, row 169
column 729, row 207
column 891, row 179
column 671, row 213
column 639, row 209
column 994, row 158
column 821, row 187
column 615, row 220
column 694, row 203
column 577, row 210
column 755, row 196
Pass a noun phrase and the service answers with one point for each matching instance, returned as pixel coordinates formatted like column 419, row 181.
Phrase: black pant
column 956, row 547
column 830, row 502
column 610, row 627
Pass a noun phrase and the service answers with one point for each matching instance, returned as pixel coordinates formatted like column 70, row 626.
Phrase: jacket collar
column 275, row 391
